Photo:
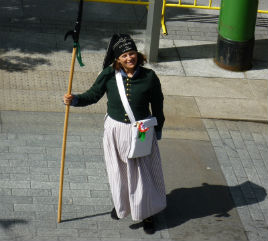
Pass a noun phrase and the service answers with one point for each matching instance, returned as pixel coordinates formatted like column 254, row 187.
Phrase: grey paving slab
column 86, row 196
column 202, row 170
column 213, row 87
column 36, row 199
column 206, row 67
column 232, row 108
column 248, row 168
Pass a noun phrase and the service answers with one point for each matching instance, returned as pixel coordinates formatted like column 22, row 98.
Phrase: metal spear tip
column 71, row 32
column 75, row 33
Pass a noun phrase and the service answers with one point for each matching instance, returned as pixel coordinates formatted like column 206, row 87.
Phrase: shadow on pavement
column 32, row 28
column 184, row 204
column 21, row 64
column 200, row 51
column 201, row 16
column 209, row 18
column 198, row 18
column 204, row 51
column 8, row 223
column 85, row 217
column 9, row 227
column 35, row 28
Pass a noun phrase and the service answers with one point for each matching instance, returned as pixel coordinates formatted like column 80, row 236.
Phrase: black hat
column 119, row 44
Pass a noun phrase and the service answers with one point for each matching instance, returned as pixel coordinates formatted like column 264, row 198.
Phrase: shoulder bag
column 142, row 130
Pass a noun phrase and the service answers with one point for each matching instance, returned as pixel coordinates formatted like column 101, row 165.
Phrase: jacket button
column 126, row 120
column 125, row 114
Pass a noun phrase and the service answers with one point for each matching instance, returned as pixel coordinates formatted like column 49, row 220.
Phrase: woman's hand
column 67, row 99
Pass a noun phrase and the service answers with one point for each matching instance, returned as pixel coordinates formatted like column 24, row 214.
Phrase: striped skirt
column 137, row 184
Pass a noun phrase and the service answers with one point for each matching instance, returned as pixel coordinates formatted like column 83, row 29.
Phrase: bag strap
column 121, row 89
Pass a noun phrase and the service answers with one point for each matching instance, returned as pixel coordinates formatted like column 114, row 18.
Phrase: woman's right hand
column 67, row 99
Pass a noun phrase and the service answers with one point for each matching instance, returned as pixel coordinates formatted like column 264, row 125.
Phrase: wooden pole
column 65, row 135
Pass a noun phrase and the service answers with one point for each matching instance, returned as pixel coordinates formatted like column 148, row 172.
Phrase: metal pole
column 152, row 33
column 236, row 34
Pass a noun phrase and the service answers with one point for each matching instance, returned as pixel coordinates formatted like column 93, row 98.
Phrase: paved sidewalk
column 31, row 75
column 242, row 152
column 30, row 164
column 199, row 203
column 35, row 69
column 215, row 170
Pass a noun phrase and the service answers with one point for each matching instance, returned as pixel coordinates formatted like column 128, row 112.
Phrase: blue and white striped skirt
column 137, row 185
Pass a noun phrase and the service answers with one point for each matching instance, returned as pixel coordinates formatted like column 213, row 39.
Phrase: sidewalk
column 186, row 68
column 198, row 173
column 214, row 141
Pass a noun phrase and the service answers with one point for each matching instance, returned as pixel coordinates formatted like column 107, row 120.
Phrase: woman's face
column 128, row 60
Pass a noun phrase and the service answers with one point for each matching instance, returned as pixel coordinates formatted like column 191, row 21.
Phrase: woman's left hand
column 67, row 99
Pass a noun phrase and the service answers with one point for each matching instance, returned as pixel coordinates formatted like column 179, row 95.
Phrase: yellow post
column 210, row 3
column 63, row 151
column 164, row 29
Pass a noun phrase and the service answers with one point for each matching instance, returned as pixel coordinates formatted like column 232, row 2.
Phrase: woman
column 137, row 184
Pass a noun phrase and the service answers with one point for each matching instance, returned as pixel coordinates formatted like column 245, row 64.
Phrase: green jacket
column 142, row 89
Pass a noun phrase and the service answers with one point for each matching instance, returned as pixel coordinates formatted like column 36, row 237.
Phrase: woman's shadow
column 184, row 204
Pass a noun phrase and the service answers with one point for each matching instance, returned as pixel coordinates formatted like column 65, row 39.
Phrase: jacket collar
column 136, row 73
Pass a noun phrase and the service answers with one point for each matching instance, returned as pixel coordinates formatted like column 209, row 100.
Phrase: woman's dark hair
column 141, row 61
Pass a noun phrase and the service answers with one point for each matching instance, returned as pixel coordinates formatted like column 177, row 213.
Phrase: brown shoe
column 114, row 214
column 148, row 225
